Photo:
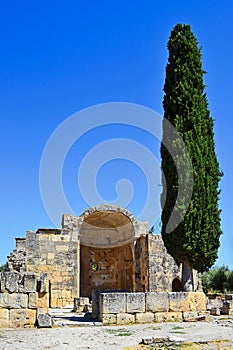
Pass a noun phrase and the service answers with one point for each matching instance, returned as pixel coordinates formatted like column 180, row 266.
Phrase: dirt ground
column 121, row 337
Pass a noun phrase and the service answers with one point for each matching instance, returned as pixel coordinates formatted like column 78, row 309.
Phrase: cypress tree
column 194, row 242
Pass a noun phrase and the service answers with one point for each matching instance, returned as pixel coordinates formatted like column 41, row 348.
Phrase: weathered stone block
column 22, row 317
column 38, row 300
column 146, row 317
column 29, row 282
column 4, row 318
column 112, row 303
column 96, row 298
column 108, row 319
column 157, row 302
column 43, row 319
column 227, row 307
column 13, row 301
column 10, row 282
column 80, row 304
column 178, row 301
column 168, row 316
column 204, row 316
column 187, row 301
column 43, row 283
column 32, row 304
column 135, row 302
column 191, row 316
column 125, row 319
column 42, row 300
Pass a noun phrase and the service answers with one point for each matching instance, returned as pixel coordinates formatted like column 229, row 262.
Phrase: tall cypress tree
column 196, row 239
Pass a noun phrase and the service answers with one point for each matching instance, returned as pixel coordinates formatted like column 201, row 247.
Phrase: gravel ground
column 115, row 337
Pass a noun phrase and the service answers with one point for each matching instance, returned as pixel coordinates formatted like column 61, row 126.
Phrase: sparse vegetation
column 120, row 332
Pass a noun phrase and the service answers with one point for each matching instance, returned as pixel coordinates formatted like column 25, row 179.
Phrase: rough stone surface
column 81, row 303
column 146, row 317
column 10, row 282
column 125, row 319
column 190, row 316
column 157, row 302
column 13, row 301
column 4, row 318
column 183, row 301
column 111, row 303
column 135, row 302
column 108, row 319
column 168, row 317
column 43, row 319
column 29, row 282
column 21, row 318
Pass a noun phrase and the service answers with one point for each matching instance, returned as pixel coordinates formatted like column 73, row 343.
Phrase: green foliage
column 218, row 279
column 3, row 267
column 196, row 238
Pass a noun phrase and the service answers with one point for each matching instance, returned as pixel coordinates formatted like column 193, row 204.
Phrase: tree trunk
column 187, row 277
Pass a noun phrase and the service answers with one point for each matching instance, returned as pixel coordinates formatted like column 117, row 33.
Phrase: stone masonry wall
column 125, row 308
column 21, row 294
column 54, row 253
column 163, row 268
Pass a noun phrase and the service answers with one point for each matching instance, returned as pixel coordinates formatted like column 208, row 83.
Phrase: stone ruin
column 104, row 249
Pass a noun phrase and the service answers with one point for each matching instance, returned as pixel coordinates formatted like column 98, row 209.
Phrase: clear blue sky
column 58, row 57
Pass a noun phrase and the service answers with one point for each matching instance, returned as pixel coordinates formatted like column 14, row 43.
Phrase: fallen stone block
column 125, row 319
column 43, row 320
column 81, row 304
column 135, row 302
column 157, row 302
column 190, row 316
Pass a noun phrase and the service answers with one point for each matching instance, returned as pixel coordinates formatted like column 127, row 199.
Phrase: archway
column 106, row 251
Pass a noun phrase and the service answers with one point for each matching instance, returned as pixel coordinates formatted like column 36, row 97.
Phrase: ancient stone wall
column 162, row 267
column 163, row 270
column 125, row 308
column 21, row 294
column 104, row 248
column 54, row 253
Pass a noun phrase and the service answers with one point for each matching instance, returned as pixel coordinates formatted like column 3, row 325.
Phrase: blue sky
column 60, row 57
